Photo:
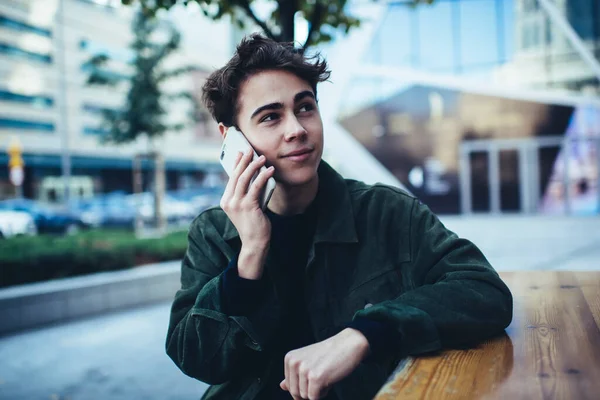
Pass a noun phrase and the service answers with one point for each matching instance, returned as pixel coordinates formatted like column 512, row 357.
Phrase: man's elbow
column 506, row 309
column 499, row 308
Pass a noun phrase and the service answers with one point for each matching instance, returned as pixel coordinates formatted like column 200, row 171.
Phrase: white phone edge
column 238, row 143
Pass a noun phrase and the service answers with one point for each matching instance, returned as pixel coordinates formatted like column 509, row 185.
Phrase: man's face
column 278, row 114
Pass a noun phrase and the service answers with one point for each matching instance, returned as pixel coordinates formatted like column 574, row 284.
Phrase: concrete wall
column 33, row 305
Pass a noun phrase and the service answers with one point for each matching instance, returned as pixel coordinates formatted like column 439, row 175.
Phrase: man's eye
column 306, row 108
column 269, row 117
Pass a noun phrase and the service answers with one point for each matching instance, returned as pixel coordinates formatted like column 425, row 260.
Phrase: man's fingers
column 283, row 385
column 230, row 187
column 259, row 183
column 293, row 382
column 303, row 381
column 242, row 164
column 291, row 374
column 316, row 387
column 244, row 180
column 286, row 372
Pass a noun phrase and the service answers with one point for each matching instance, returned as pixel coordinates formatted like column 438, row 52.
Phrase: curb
column 32, row 305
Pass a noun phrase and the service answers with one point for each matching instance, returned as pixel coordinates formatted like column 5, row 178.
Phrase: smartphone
column 235, row 142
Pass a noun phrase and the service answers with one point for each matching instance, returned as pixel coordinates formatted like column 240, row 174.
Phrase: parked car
column 107, row 211
column 201, row 198
column 16, row 223
column 47, row 219
column 176, row 212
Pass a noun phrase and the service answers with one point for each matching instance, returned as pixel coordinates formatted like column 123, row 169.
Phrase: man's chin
column 297, row 178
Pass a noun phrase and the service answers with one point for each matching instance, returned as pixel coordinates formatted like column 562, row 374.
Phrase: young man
column 320, row 296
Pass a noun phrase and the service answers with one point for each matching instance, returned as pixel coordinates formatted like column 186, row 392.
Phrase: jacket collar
column 335, row 217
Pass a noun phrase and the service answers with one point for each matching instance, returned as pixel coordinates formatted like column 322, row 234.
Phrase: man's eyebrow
column 302, row 95
column 270, row 106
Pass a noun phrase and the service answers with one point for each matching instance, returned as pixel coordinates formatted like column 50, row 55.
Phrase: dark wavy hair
column 257, row 53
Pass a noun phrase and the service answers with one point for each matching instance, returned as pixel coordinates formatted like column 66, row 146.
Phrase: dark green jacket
column 377, row 253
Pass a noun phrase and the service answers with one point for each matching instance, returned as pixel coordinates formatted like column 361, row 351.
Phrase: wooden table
column 551, row 350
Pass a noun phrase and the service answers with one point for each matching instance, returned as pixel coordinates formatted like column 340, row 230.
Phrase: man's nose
column 294, row 129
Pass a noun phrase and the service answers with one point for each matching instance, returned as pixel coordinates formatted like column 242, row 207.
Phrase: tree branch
column 245, row 5
column 315, row 22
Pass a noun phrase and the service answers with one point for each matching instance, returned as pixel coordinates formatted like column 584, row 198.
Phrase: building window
column 530, row 5
column 95, row 109
column 23, row 26
column 20, row 53
column 9, row 123
column 36, row 101
column 531, row 35
column 88, row 130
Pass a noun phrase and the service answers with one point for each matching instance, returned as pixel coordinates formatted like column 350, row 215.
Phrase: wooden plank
column 590, row 286
column 454, row 374
column 551, row 350
column 559, row 337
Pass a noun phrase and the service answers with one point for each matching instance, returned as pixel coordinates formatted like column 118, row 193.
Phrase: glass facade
column 584, row 16
column 447, row 37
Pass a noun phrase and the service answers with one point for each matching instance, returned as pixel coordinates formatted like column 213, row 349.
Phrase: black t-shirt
column 291, row 238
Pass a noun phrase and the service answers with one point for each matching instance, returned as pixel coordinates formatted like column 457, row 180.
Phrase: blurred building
column 43, row 51
column 544, row 58
column 481, row 105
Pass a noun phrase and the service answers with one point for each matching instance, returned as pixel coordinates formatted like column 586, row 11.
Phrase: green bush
column 44, row 257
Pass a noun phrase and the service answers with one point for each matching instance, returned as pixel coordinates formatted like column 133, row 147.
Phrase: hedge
column 44, row 257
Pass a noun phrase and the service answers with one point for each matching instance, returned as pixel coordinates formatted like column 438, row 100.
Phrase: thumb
column 284, row 385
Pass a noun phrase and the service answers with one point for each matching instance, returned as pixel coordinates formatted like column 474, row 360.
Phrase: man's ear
column 222, row 129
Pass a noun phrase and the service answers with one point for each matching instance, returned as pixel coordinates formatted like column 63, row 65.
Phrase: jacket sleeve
column 455, row 297
column 202, row 340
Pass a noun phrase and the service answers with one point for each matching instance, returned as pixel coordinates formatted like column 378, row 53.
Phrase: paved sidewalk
column 118, row 356
column 533, row 242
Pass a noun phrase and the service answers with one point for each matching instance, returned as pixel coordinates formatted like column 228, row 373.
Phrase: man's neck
column 292, row 200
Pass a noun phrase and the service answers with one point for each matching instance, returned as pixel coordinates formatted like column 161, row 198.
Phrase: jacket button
column 259, row 381
column 368, row 305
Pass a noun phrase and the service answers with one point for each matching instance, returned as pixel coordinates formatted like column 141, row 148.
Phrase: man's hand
column 311, row 370
column 241, row 203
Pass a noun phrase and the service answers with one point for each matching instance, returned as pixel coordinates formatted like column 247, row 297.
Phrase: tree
column 143, row 113
column 324, row 16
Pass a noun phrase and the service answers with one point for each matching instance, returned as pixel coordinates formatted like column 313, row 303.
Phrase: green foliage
column 324, row 16
column 143, row 112
column 44, row 257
